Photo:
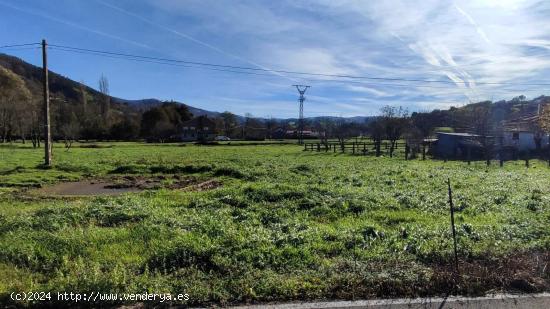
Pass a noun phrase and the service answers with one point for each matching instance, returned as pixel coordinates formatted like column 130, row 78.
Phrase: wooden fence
column 358, row 148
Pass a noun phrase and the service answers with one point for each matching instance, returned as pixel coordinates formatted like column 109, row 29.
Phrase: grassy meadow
column 283, row 225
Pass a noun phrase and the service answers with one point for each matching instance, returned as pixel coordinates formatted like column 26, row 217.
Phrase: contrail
column 473, row 23
column 188, row 37
column 71, row 24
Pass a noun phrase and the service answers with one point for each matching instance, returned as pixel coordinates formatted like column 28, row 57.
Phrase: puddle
column 126, row 184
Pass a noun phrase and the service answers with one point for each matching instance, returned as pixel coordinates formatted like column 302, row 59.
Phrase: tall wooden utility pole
column 47, row 132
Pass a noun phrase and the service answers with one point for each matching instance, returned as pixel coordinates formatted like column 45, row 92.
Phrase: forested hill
column 65, row 88
column 487, row 117
column 79, row 111
column 60, row 86
column 146, row 104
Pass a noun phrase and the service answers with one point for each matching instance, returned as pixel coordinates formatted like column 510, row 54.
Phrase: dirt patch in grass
column 206, row 185
column 126, row 184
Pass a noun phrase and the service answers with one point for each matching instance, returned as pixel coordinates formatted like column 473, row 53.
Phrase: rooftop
column 458, row 134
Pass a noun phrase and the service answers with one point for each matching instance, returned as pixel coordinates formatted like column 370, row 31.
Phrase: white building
column 524, row 140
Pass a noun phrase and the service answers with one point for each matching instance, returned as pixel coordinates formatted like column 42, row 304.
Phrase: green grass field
column 284, row 225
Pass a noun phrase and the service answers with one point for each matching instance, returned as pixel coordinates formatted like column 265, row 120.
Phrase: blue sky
column 467, row 43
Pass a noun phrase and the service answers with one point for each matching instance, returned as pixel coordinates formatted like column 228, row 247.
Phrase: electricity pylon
column 302, row 91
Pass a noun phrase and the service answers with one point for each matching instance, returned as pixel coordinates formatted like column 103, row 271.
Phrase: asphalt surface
column 499, row 301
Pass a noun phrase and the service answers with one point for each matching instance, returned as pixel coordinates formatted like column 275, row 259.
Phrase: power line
column 19, row 45
column 11, row 49
column 288, row 72
column 196, row 66
column 450, row 87
column 160, row 62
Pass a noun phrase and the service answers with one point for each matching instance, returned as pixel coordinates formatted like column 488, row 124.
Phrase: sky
column 475, row 49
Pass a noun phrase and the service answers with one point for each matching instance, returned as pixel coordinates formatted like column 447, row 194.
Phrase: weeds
column 285, row 225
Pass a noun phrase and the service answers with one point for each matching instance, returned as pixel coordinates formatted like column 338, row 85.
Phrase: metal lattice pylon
column 302, row 91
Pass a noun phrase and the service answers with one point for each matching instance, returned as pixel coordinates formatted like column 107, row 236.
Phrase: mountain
column 67, row 89
column 146, row 104
column 354, row 119
column 60, row 86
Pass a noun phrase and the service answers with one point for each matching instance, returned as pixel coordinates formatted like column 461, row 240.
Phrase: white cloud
column 369, row 90
column 463, row 44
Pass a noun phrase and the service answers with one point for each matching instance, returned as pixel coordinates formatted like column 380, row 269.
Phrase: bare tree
column 376, row 130
column 70, row 130
column 270, row 125
column 395, row 120
column 324, row 128
column 35, row 123
column 247, row 124
column 84, row 96
column 105, row 97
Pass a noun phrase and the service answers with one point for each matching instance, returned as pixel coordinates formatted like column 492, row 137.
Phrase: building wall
column 525, row 140
column 193, row 135
column 446, row 145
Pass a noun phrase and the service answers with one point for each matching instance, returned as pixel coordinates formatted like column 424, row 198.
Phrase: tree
column 425, row 122
column 247, row 124
column 84, row 97
column 126, row 129
column 15, row 98
column 163, row 122
column 229, row 122
column 343, row 130
column 155, row 124
column 376, row 130
column 324, row 126
column 394, row 120
column 35, row 122
column 105, row 97
column 253, row 129
column 544, row 122
column 70, row 130
column 544, row 118
column 270, row 125
column 477, row 119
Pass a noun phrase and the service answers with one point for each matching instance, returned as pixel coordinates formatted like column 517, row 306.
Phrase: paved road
column 501, row 301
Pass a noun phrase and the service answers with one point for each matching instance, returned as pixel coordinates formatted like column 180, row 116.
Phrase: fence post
column 353, row 145
column 453, row 223
column 318, row 147
column 407, row 150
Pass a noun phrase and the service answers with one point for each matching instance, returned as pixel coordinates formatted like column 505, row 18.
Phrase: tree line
column 82, row 113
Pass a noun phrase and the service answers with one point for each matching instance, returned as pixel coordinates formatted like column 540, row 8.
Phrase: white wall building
column 524, row 140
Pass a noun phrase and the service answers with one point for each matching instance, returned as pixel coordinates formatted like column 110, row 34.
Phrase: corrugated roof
column 458, row 134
